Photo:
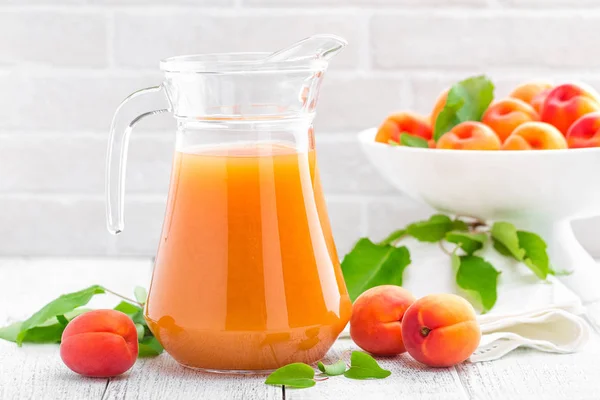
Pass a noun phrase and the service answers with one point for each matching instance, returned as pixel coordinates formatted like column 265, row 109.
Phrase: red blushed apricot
column 440, row 103
column 403, row 122
column 505, row 115
column 535, row 136
column 585, row 132
column 567, row 103
column 539, row 99
column 100, row 343
column 532, row 93
column 470, row 135
column 376, row 322
column 440, row 330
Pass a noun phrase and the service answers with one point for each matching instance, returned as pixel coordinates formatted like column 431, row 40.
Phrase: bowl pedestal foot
column 567, row 255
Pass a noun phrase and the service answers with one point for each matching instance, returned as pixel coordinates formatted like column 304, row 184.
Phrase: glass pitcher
column 246, row 276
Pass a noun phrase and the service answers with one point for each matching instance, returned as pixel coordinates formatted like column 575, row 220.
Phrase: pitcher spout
column 319, row 47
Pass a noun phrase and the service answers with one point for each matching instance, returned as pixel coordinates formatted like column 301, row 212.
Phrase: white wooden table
column 36, row 371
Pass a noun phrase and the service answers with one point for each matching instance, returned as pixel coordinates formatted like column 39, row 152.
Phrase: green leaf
column 506, row 238
column 467, row 101
column 536, row 257
column 140, row 294
column 150, row 347
column 62, row 305
column 392, row 237
column 363, row 366
column 140, row 331
column 432, row 230
column 335, row 369
column 134, row 312
column 477, row 276
column 406, row 139
column 62, row 320
column 48, row 332
column 561, row 272
column 369, row 265
column 500, row 248
column 393, row 143
column 469, row 242
column 127, row 308
column 11, row 331
column 297, row 375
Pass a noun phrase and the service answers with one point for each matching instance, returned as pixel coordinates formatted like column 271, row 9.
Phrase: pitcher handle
column 126, row 117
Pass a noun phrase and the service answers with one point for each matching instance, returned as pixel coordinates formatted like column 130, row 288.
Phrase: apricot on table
column 585, row 132
column 470, row 135
column 376, row 322
column 532, row 93
column 535, row 136
column 440, row 103
column 403, row 122
column 440, row 330
column 566, row 103
column 505, row 115
column 100, row 343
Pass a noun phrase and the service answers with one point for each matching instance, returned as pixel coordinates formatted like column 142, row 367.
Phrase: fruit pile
column 438, row 330
column 535, row 116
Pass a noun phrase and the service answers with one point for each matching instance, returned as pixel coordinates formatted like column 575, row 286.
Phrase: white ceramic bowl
column 540, row 191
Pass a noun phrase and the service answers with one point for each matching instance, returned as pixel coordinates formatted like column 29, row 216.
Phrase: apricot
column 566, row 103
column 585, row 132
column 440, row 103
column 535, row 136
column 376, row 322
column 505, row 115
column 403, row 122
column 100, row 343
column 532, row 93
column 440, row 330
column 470, row 135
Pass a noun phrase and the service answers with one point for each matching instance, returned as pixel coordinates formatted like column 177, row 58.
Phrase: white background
column 66, row 64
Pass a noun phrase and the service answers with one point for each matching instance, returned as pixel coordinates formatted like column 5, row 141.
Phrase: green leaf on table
column 141, row 331
column 506, row 240
column 406, row 139
column 432, row 230
column 48, row 332
column 149, row 347
column 363, row 366
column 334, row 369
column 478, row 277
column 392, row 237
column 536, row 256
column 560, row 272
column 469, row 242
column 467, row 101
column 127, row 308
column 297, row 375
column 61, row 305
column 369, row 265
column 10, row 332
column 62, row 319
column 141, row 295
column 134, row 312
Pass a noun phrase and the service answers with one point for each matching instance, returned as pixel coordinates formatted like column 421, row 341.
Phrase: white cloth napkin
column 544, row 315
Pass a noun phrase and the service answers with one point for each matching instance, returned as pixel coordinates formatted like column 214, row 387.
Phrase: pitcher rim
column 238, row 62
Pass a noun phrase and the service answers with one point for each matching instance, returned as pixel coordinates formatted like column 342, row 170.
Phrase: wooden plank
column 163, row 378
column 528, row 374
column 409, row 380
column 37, row 372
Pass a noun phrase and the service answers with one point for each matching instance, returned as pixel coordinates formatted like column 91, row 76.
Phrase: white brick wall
column 66, row 64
